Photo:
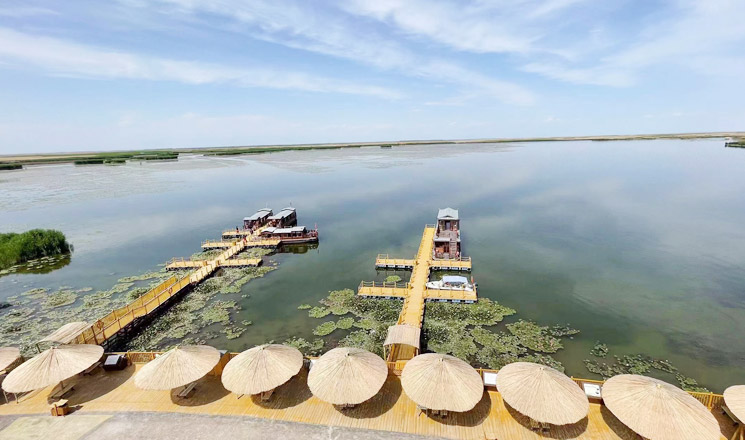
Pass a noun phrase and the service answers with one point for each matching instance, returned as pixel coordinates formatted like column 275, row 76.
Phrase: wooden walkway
column 415, row 292
column 267, row 243
column 389, row 410
column 121, row 319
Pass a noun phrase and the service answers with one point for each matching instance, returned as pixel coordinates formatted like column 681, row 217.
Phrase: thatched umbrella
column 51, row 367
column 177, row 367
column 657, row 410
column 67, row 333
column 734, row 397
column 347, row 376
column 442, row 382
column 8, row 355
column 261, row 369
column 542, row 393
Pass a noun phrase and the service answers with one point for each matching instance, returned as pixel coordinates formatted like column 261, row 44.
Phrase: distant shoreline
column 42, row 158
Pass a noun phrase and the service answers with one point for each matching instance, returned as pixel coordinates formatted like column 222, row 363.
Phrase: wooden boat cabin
column 258, row 219
column 447, row 236
column 284, row 218
column 294, row 234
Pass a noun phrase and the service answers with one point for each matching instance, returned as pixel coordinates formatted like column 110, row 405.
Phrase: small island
column 18, row 248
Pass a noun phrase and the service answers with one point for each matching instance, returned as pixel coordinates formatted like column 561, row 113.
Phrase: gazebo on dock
column 402, row 340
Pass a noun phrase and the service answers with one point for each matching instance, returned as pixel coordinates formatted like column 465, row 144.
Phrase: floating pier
column 415, row 293
column 124, row 319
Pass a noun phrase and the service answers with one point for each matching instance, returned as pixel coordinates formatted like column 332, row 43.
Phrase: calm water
column 640, row 245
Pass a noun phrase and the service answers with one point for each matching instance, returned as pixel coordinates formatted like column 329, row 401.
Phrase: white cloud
column 65, row 58
column 25, row 11
column 304, row 26
column 704, row 36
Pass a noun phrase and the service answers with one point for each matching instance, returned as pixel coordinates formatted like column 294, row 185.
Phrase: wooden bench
column 729, row 413
column 91, row 369
column 187, row 391
column 59, row 393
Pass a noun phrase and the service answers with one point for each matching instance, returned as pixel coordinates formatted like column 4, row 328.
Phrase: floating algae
column 459, row 329
column 186, row 319
column 161, row 274
column 35, row 292
column 345, row 323
column 233, row 332
column 318, row 312
column 206, row 255
column 308, row 348
column 60, row 298
column 535, row 337
column 303, row 306
column 392, row 279
column 599, row 350
column 373, row 317
column 637, row 364
column 324, row 329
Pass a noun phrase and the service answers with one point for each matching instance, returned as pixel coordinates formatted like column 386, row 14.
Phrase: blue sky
column 120, row 74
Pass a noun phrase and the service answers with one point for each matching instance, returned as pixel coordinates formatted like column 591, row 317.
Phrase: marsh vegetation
column 30, row 245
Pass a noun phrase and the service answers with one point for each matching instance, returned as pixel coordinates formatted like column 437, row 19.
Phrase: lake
column 638, row 244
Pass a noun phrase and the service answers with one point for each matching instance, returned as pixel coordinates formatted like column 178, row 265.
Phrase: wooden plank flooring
column 389, row 410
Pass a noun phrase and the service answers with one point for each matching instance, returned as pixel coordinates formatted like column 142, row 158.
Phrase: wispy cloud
column 693, row 35
column 60, row 57
column 302, row 25
column 25, row 11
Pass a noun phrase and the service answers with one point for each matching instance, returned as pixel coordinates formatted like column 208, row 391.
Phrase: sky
column 86, row 75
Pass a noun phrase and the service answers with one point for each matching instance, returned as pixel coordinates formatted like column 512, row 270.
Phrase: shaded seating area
column 657, row 410
column 10, row 357
column 351, row 375
column 543, row 394
column 51, row 368
column 440, row 383
column 347, row 376
column 179, row 367
column 261, row 369
column 734, row 408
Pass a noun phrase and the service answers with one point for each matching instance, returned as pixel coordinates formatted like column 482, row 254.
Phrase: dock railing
column 384, row 284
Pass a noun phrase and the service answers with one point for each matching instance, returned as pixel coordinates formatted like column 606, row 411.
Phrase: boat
column 451, row 282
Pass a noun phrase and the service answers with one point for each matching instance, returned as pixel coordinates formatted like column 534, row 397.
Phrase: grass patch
column 10, row 166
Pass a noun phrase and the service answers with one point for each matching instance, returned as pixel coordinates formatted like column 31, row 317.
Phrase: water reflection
column 637, row 244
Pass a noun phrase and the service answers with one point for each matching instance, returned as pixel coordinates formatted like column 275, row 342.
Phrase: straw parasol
column 261, row 369
column 177, row 367
column 442, row 382
column 734, row 397
column 347, row 376
column 657, row 410
column 51, row 367
column 67, row 333
column 8, row 355
column 542, row 393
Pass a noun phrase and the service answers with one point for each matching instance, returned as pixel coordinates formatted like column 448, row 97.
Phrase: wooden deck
column 265, row 243
column 455, row 264
column 120, row 319
column 415, row 292
column 389, row 410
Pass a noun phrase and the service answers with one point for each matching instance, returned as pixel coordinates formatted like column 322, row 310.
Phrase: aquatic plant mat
column 203, row 314
column 349, row 321
column 33, row 314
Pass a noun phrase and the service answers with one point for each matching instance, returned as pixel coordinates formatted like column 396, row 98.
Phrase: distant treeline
column 29, row 245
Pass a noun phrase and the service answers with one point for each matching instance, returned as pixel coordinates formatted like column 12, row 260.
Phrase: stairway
column 453, row 246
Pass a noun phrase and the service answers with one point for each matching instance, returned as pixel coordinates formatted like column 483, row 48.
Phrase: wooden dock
column 390, row 410
column 123, row 319
column 415, row 292
column 262, row 243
